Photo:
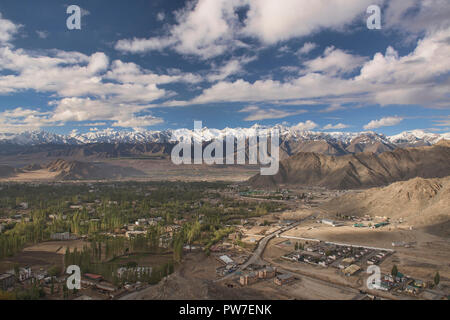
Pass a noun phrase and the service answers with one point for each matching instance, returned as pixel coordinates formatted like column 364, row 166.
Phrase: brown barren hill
column 419, row 201
column 360, row 170
column 107, row 150
column 322, row 147
column 77, row 170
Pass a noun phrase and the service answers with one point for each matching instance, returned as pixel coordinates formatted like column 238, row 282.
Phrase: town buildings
column 63, row 236
column 267, row 273
column 351, row 270
column 24, row 274
column 283, row 279
column 248, row 278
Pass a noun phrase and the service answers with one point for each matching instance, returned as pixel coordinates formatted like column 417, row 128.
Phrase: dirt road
column 256, row 258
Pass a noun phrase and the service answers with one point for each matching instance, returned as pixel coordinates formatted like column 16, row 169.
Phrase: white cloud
column 306, row 126
column 208, row 28
column 42, row 34
column 131, row 73
column 338, row 126
column 94, row 124
column 442, row 123
column 290, row 69
column 99, row 62
column 383, row 122
column 161, row 16
column 415, row 78
column 257, row 113
column 232, row 67
column 311, row 85
column 420, row 77
column 272, row 22
column 332, row 108
column 284, row 49
column 205, row 28
column 86, row 109
column 142, row 45
column 85, row 88
column 416, row 16
column 21, row 119
column 138, row 122
column 306, row 48
column 334, row 61
column 7, row 30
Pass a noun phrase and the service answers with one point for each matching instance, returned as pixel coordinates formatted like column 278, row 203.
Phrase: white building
column 383, row 286
column 23, row 205
column 226, row 259
column 130, row 234
column 24, row 273
column 329, row 222
column 139, row 271
column 141, row 222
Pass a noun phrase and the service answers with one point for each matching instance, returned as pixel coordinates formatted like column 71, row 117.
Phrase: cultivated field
column 42, row 255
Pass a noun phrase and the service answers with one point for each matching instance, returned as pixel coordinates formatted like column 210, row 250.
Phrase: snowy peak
column 415, row 137
column 111, row 136
column 34, row 138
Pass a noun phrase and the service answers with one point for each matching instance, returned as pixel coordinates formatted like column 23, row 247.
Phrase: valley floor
column 417, row 251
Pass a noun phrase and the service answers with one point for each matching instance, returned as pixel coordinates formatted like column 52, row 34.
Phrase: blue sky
column 230, row 63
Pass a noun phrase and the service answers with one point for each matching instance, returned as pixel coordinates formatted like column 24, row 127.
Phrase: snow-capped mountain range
column 415, row 137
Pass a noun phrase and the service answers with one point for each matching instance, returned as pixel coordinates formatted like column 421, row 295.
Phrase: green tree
column 54, row 271
column 437, row 278
column 394, row 271
column 65, row 292
column 16, row 270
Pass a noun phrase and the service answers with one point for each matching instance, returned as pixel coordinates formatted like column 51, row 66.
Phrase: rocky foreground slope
column 418, row 201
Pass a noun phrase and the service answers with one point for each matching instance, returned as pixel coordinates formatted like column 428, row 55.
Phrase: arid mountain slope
column 88, row 151
column 289, row 148
column 365, row 144
column 102, row 145
column 70, row 170
column 76, row 170
column 360, row 170
column 418, row 201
